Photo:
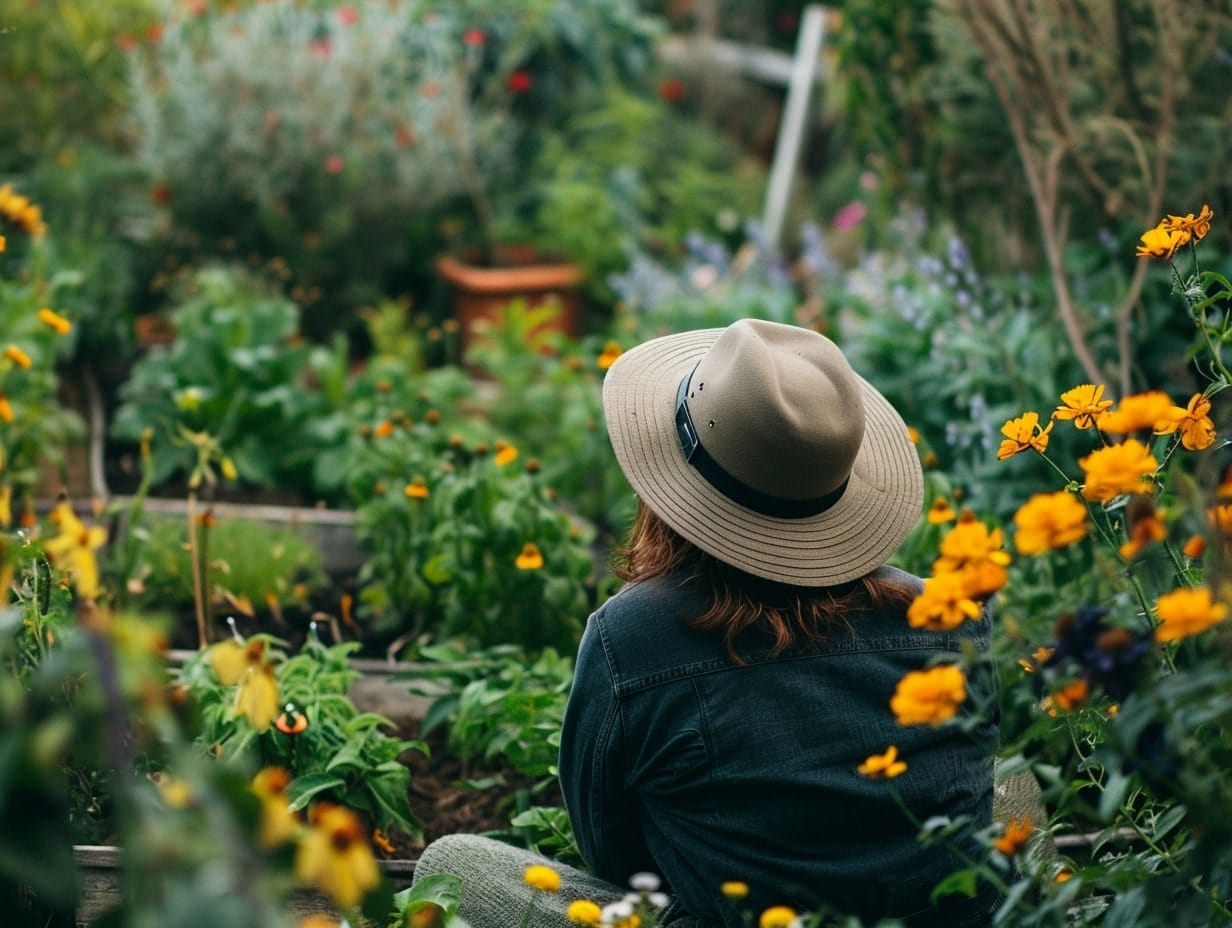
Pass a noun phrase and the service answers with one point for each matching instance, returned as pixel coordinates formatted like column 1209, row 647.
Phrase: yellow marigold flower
column 974, row 551
column 940, row 512
column 73, row 547
column 1195, row 547
column 1142, row 412
column 583, row 912
column 54, row 321
column 334, row 856
column 1071, row 696
column 1186, row 612
column 1196, row 226
column 929, row 697
column 6, row 409
column 1048, row 521
column 531, row 558
column 611, row 351
column 883, row 765
column 1145, row 526
column 1017, row 832
column 1083, row 404
column 943, row 604
column 1161, row 242
column 1194, row 421
column 416, row 489
column 384, row 429
column 777, row 916
column 734, row 889
column 542, row 878
column 278, row 823
column 1117, row 469
column 1023, row 433
column 505, row 453
column 17, row 356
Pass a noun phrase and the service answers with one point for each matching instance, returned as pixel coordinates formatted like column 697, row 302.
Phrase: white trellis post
column 791, row 128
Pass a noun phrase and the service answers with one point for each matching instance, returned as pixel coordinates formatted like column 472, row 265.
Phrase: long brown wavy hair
column 791, row 615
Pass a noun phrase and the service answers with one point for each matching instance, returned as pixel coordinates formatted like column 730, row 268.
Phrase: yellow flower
column 1048, row 521
column 1142, row 412
column 1084, row 404
column 1186, row 612
column 1197, row 226
column 1161, row 242
column 416, row 489
column 611, row 351
column 1194, row 421
column 6, row 510
column 913, row 435
column 505, row 453
column 1014, row 838
column 334, row 857
column 1023, row 433
column 940, row 512
column 883, row 765
column 943, row 604
column 975, row 552
column 777, row 916
column 55, row 321
column 6, row 409
column 530, row 558
column 1195, row 547
column 245, row 664
column 384, row 429
column 175, row 792
column 1071, row 696
column 278, row 823
column 17, row 356
column 929, row 697
column 1117, row 469
column 542, row 878
column 1145, row 526
column 583, row 912
column 227, row 466
column 734, row 889
column 73, row 547
column 3, row 243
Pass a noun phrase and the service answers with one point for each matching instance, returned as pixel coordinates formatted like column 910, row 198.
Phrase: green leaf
column 303, row 789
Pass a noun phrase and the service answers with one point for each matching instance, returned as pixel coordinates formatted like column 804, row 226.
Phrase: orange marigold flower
column 885, row 765
column 505, row 453
column 611, row 351
column 6, row 409
column 943, row 604
column 1048, row 521
column 929, row 697
column 416, row 489
column 1117, row 469
column 940, row 512
column 1161, row 242
column 1144, row 524
column 1017, row 832
column 1083, row 404
column 1194, row 421
column 975, row 552
column 384, row 430
column 1142, row 412
column 1195, row 547
column 1196, row 226
column 17, row 356
column 1071, row 696
column 1023, row 433
column 1185, row 612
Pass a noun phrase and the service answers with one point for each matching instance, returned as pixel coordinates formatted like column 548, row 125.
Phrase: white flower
column 615, row 912
column 658, row 900
column 644, row 882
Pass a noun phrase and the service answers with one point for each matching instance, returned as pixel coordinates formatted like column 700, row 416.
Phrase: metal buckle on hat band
column 733, row 488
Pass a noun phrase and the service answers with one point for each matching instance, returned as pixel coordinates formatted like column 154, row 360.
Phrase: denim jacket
column 677, row 761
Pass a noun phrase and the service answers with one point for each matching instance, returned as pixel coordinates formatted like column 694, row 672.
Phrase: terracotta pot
column 482, row 291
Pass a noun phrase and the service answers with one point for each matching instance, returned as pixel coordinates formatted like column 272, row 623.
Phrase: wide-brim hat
column 759, row 444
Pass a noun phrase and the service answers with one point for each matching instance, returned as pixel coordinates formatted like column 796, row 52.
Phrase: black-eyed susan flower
column 278, row 824
column 940, row 511
column 18, row 357
column 583, row 912
column 929, row 697
column 72, row 548
column 1082, row 405
column 1022, row 434
column 530, row 558
column 542, row 878
column 244, row 663
column 1048, row 521
column 291, row 721
column 1140, row 412
column 1116, row 469
column 1161, row 242
column 334, row 855
column 1187, row 611
column 505, row 453
column 54, row 321
column 1193, row 421
column 1015, row 836
column 943, row 604
column 777, row 916
column 885, row 765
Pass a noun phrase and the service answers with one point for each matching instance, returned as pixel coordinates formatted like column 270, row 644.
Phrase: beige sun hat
column 760, row 445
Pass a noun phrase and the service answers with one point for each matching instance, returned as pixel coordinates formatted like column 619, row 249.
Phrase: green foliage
column 342, row 754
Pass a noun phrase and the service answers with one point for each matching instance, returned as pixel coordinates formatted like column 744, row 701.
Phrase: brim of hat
column 881, row 505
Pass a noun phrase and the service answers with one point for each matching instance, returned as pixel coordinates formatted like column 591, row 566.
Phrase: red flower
column 347, row 15
column 475, row 37
column 519, row 82
column 334, row 164
column 673, row 90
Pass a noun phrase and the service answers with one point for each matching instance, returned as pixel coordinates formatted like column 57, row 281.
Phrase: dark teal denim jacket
column 675, row 760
